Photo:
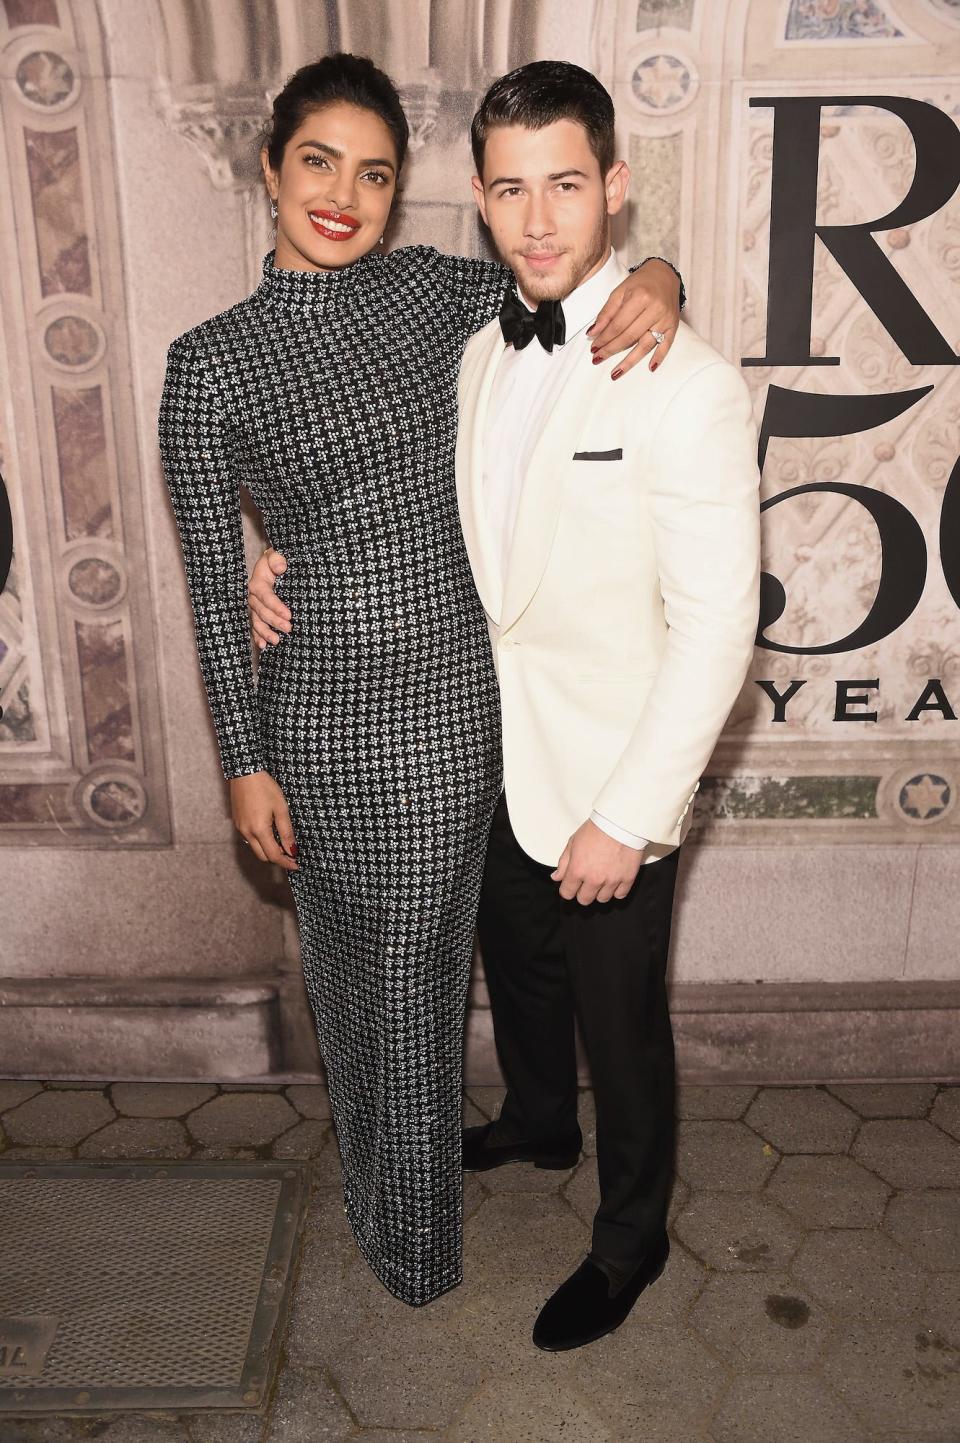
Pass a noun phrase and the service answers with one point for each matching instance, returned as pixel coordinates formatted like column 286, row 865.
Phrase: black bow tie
column 520, row 325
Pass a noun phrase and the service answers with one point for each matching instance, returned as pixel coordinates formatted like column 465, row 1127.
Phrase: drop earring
column 273, row 210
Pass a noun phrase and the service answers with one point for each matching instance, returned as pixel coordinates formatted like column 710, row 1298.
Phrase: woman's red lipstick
column 317, row 217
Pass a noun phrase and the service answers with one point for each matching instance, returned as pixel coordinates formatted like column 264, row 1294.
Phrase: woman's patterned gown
column 332, row 397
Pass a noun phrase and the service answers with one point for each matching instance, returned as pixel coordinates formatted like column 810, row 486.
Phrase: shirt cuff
column 619, row 834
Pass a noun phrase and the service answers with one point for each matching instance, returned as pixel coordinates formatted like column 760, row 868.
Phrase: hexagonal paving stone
column 829, row 1192
column 472, row 1116
column 941, row 1306
column 518, row 1248
column 723, row 1155
column 582, row 1190
column 376, row 1374
column 886, row 1099
column 761, row 1320
column 588, row 1121
column 336, row 1295
column 525, row 1177
column 519, row 1405
column 765, row 1408
column 226, row 1428
column 139, row 1428
column 58, row 1118
column 37, row 1430
column 487, row 1098
column 647, row 1381
column 927, row 1225
column 306, row 1139
column 860, row 1273
column 307, row 1410
column 802, row 1119
column 946, row 1110
column 36, row 1154
column 13, row 1093
column 242, row 1118
column 159, row 1099
column 392, row 1435
column 897, row 1376
column 737, row 1232
column 713, row 1103
column 907, row 1153
column 310, row 1099
column 145, row 1137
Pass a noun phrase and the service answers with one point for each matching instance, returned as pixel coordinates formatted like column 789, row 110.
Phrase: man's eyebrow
column 556, row 175
column 338, row 154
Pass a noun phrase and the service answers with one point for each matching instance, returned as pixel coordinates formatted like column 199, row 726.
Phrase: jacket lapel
column 476, row 386
column 541, row 497
column 538, row 511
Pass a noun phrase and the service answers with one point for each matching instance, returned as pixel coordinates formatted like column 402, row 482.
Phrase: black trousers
column 547, row 960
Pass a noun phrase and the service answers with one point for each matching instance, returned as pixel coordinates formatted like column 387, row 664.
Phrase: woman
column 371, row 742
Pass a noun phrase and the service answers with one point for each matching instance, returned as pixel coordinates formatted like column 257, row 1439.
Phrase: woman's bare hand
column 258, row 805
column 268, row 613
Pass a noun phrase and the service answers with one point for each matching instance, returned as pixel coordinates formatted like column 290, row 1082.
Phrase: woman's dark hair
column 538, row 94
column 350, row 78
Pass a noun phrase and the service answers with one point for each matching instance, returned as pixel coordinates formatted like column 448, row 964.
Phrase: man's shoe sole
column 554, row 1163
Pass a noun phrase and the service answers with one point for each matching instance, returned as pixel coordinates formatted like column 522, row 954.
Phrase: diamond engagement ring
column 658, row 336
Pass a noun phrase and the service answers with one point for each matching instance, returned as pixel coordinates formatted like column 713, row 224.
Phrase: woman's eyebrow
column 338, row 154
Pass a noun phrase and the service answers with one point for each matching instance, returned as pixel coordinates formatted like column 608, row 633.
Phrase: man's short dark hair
column 538, row 94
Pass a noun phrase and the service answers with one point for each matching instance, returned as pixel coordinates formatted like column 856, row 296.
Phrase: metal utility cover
column 143, row 1285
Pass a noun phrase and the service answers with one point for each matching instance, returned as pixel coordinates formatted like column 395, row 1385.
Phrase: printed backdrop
column 825, row 846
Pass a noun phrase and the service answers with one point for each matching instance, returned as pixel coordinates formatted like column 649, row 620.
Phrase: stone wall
column 136, row 935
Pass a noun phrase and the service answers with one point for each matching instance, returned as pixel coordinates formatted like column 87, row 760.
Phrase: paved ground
column 812, row 1293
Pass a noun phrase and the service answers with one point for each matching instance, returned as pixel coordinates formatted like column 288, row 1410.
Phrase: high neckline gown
column 332, row 397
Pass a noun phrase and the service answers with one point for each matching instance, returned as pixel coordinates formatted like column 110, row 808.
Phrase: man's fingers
column 587, row 893
column 561, row 868
column 270, row 609
column 606, row 892
column 569, row 887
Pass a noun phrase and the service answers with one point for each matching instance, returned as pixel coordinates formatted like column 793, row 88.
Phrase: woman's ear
column 270, row 177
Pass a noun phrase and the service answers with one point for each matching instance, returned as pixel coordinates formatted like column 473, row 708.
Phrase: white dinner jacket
column 625, row 624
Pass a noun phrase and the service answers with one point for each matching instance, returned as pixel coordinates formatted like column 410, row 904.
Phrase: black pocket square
column 616, row 455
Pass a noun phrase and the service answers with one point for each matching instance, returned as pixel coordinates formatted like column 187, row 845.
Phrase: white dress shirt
column 524, row 389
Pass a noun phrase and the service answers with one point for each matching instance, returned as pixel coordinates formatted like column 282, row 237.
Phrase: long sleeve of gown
column 470, row 289
column 201, row 476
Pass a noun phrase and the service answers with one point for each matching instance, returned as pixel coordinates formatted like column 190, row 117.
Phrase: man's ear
column 616, row 185
column 479, row 197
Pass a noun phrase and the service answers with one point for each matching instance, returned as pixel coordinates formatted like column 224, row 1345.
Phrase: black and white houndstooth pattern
column 332, row 397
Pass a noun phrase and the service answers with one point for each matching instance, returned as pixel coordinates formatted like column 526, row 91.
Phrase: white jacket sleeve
column 703, row 498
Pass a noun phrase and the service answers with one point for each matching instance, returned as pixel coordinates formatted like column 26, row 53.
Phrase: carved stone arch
column 81, row 746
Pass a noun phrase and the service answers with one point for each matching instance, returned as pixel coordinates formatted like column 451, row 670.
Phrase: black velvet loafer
column 481, row 1156
column 583, row 1309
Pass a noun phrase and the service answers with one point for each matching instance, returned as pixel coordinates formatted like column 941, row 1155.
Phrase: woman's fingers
column 284, row 826
column 271, row 849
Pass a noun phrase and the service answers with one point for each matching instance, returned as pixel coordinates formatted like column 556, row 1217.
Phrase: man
column 613, row 532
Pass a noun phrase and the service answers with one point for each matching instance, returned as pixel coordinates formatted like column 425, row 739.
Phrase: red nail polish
column 615, row 375
column 293, row 849
column 597, row 360
column 654, row 365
